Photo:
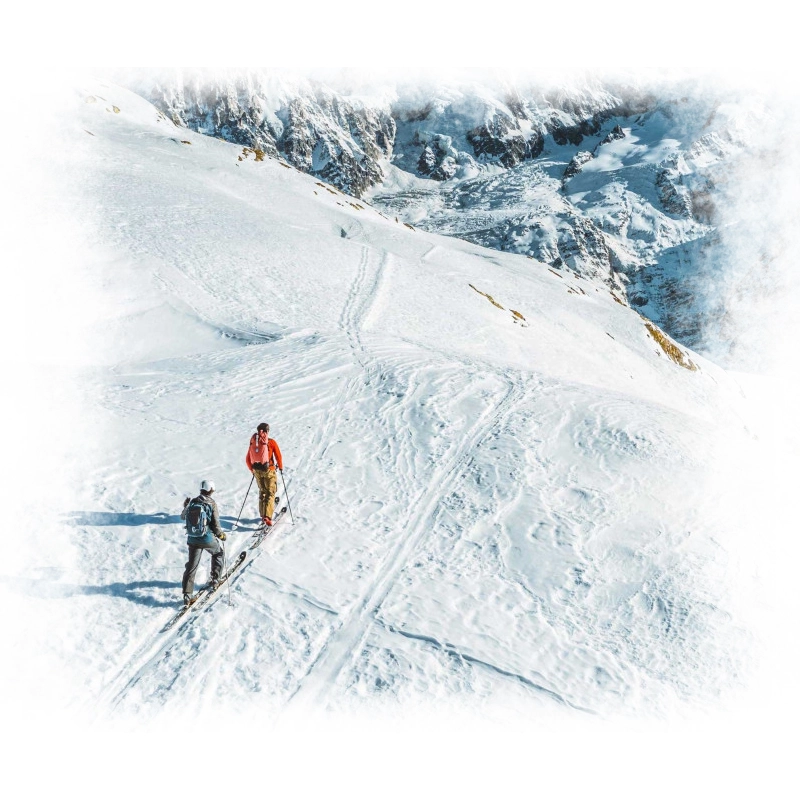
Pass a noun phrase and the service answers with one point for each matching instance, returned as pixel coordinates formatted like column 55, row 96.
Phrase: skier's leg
column 272, row 488
column 191, row 568
column 216, row 559
column 263, row 491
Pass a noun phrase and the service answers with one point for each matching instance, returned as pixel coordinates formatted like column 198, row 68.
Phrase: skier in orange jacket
column 263, row 457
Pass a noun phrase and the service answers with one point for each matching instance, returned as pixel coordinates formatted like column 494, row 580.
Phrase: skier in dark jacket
column 203, row 533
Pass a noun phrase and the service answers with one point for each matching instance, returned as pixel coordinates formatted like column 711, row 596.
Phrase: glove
column 221, row 536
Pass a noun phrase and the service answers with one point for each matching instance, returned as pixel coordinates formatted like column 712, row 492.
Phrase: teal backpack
column 198, row 519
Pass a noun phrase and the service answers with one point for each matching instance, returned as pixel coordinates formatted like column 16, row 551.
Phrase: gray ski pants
column 194, row 562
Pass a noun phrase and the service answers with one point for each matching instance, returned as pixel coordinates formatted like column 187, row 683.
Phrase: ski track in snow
column 351, row 628
column 157, row 648
column 451, row 650
column 349, row 639
column 334, row 651
column 601, row 594
column 337, row 654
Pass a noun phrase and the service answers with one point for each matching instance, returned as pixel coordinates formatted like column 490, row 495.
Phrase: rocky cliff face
column 461, row 132
column 340, row 140
column 344, row 139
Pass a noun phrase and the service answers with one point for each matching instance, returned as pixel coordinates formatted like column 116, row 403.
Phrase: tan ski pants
column 267, row 481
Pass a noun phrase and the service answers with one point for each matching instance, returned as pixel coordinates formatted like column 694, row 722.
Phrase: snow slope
column 499, row 478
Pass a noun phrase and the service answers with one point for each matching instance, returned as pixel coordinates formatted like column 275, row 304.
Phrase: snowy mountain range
column 616, row 184
column 502, row 474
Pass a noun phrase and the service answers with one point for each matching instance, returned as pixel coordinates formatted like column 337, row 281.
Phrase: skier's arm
column 216, row 529
column 278, row 456
column 248, row 461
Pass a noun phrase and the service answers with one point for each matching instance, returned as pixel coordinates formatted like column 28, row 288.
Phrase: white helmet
column 207, row 486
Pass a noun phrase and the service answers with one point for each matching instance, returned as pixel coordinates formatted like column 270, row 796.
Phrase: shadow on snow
column 105, row 519
column 137, row 592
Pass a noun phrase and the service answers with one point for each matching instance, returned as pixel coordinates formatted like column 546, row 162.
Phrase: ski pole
column 225, row 569
column 236, row 524
column 286, row 493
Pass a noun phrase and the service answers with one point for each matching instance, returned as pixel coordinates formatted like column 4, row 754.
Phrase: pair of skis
column 207, row 595
column 264, row 530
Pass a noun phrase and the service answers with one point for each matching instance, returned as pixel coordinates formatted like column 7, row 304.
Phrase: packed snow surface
column 498, row 476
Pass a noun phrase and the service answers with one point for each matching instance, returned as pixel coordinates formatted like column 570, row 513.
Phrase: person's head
column 207, row 487
column 262, row 426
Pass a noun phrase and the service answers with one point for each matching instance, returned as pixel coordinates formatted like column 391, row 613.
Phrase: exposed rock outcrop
column 574, row 134
column 614, row 135
column 576, row 164
column 438, row 159
column 502, row 141
column 674, row 196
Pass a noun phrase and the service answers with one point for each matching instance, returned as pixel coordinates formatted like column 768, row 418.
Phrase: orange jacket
column 263, row 450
